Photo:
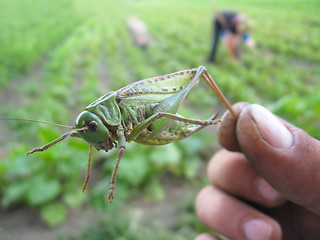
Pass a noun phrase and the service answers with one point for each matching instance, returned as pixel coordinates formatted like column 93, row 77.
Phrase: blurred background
column 56, row 57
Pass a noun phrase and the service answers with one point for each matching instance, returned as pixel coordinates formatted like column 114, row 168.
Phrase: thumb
column 286, row 156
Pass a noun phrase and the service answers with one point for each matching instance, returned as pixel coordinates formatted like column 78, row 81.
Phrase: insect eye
column 93, row 126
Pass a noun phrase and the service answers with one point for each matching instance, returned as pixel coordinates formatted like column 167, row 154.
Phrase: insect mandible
column 144, row 112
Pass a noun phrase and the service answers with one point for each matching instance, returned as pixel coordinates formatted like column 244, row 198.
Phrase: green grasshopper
column 144, row 112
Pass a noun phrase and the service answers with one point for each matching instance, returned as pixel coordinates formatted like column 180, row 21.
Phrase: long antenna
column 36, row 121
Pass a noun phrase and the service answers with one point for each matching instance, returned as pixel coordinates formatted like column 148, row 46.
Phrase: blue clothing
column 245, row 36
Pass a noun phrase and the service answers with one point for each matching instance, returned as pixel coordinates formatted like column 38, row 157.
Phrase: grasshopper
column 144, row 112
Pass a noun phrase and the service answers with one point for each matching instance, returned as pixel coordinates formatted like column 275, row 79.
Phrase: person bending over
column 232, row 28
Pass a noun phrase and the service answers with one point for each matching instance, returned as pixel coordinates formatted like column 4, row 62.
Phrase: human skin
column 265, row 182
column 233, row 42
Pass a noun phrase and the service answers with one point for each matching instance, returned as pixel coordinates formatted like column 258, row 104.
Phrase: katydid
column 144, row 112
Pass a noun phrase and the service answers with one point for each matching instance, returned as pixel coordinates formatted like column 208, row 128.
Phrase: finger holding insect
column 227, row 130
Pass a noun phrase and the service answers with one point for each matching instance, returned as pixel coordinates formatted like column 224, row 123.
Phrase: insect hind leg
column 207, row 77
column 202, row 124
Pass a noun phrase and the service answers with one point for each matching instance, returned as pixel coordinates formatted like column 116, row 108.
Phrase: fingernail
column 266, row 191
column 271, row 129
column 256, row 229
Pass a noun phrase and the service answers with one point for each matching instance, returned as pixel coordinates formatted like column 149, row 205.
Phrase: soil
column 24, row 223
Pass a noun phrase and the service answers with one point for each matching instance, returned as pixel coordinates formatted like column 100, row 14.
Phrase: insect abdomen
column 133, row 116
column 174, row 131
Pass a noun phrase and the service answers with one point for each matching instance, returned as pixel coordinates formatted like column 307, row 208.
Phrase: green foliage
column 54, row 214
column 135, row 226
column 68, row 53
column 28, row 30
column 41, row 190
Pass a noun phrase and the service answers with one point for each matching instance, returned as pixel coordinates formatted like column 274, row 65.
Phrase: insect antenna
column 37, row 121
column 54, row 142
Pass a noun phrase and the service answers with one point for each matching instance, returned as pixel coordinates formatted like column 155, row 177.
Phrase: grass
column 57, row 57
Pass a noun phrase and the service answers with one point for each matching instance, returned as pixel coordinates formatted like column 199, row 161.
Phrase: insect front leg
column 88, row 170
column 54, row 142
column 113, row 180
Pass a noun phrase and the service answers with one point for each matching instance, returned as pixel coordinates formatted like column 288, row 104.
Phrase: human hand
column 266, row 184
column 251, row 44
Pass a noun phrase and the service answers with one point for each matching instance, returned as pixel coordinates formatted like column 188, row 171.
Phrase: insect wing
column 156, row 89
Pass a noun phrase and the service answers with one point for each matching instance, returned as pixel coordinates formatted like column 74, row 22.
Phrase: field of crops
column 56, row 57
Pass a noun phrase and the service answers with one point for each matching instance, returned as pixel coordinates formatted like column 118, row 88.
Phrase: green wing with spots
column 154, row 90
